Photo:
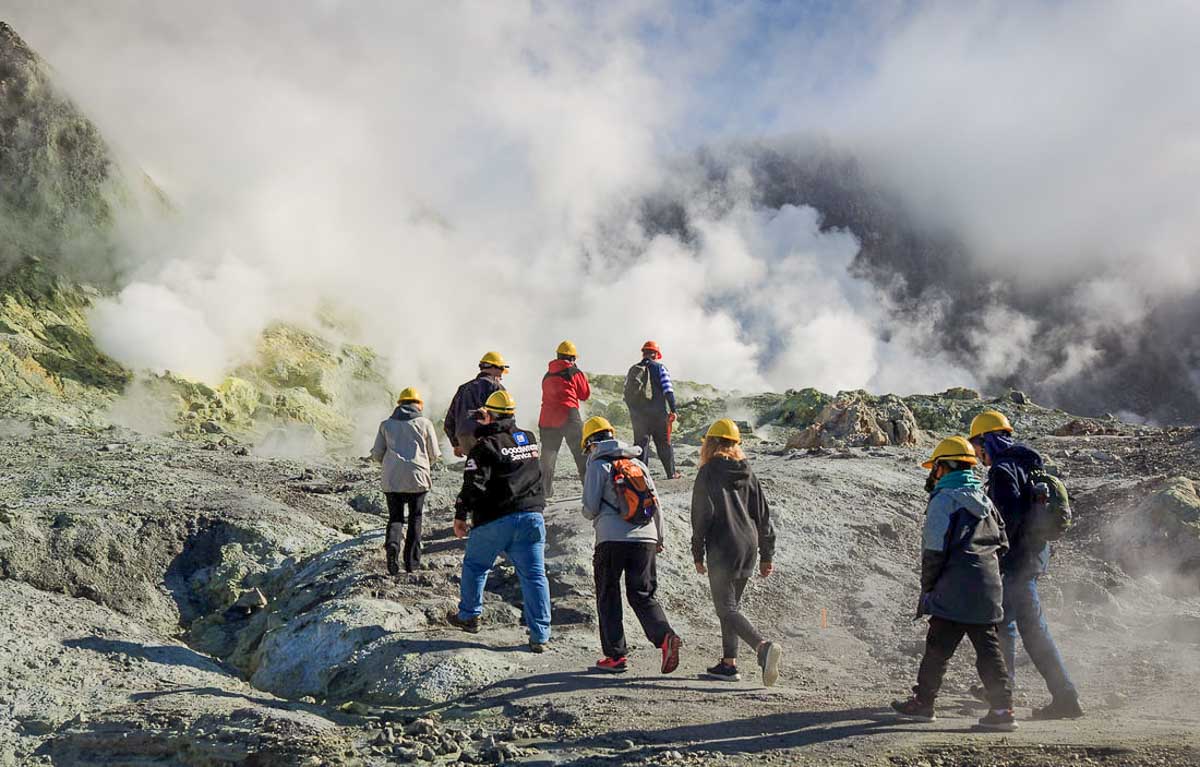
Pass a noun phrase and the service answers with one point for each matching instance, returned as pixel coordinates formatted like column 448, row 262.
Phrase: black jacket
column 731, row 521
column 503, row 474
column 470, row 396
column 1010, row 488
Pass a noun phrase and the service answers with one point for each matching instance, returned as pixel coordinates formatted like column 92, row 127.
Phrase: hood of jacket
column 970, row 497
column 406, row 412
column 610, row 448
column 559, row 366
column 736, row 473
column 1022, row 456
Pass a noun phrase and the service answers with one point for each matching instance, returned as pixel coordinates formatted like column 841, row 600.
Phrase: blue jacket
column 1011, row 491
column 469, row 397
column 963, row 541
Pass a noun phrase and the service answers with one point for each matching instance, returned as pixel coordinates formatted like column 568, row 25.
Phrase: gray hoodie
column 600, row 501
column 407, row 446
column 963, row 541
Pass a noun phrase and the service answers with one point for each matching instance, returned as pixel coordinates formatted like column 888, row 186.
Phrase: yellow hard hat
column 493, row 360
column 952, row 449
column 594, row 425
column 989, row 420
column 501, row 403
column 725, row 429
column 409, row 394
column 568, row 349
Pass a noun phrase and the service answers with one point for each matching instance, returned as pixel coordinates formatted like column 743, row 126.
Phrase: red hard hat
column 652, row 346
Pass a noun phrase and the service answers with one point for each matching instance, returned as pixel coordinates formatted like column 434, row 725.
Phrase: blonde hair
column 715, row 447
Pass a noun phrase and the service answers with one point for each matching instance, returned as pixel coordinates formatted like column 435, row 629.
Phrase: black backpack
column 639, row 386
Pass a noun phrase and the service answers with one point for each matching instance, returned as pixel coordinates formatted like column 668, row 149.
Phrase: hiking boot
column 768, row 660
column 914, row 710
column 393, row 560
column 724, row 672
column 469, row 625
column 1001, row 720
column 676, row 475
column 613, row 665
column 979, row 693
column 670, row 652
column 1059, row 709
column 537, row 647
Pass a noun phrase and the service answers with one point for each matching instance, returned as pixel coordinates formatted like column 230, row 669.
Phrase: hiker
column 460, row 421
column 963, row 541
column 1011, row 471
column 502, row 495
column 732, row 531
column 407, row 446
column 563, row 387
column 620, row 501
column 651, row 401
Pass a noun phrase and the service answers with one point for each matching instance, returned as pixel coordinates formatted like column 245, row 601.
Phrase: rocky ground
column 168, row 602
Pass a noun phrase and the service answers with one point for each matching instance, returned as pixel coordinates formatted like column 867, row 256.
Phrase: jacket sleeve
column 933, row 542
column 764, row 523
column 593, row 488
column 668, row 389
column 475, row 479
column 1004, row 488
column 450, row 425
column 583, row 389
column 702, row 514
column 432, row 448
column 658, row 518
column 380, row 446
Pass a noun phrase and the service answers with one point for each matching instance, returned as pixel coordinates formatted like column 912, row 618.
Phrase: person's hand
column 660, row 548
column 458, row 453
column 460, row 528
column 700, row 568
column 765, row 569
column 671, row 417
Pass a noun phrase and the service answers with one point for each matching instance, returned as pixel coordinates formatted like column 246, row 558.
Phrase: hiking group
column 984, row 544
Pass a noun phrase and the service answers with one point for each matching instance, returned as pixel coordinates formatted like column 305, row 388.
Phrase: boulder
column 855, row 419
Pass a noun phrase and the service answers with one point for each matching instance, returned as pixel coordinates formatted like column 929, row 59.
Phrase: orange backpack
column 637, row 504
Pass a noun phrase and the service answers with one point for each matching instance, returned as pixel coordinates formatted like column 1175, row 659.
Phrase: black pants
column 941, row 642
column 636, row 561
column 727, row 595
column 415, row 503
column 647, row 426
column 552, row 439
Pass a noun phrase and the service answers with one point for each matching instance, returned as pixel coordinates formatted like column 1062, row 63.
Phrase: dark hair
column 566, row 357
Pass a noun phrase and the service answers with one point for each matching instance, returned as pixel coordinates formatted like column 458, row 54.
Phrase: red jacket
column 563, row 388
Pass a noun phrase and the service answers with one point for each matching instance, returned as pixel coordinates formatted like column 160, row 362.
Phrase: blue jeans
column 1023, row 613
column 522, row 536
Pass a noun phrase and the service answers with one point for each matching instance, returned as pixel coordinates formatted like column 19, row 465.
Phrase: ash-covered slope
column 1149, row 366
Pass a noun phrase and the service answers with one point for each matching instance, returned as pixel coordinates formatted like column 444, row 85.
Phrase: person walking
column 650, row 397
column 564, row 387
column 963, row 540
column 620, row 501
column 460, row 420
column 407, row 446
column 732, row 532
column 1012, row 468
column 502, row 496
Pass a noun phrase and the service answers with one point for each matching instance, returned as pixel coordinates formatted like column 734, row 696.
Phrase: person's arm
column 934, row 540
column 658, row 519
column 450, row 425
column 1004, row 488
column 702, row 513
column 593, row 488
column 475, row 479
column 380, row 446
column 432, row 448
column 766, row 528
column 583, row 389
column 668, row 389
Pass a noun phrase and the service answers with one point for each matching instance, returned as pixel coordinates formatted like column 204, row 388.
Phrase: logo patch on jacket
column 520, row 438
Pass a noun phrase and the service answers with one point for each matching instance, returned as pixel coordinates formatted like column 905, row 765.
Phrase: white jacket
column 407, row 446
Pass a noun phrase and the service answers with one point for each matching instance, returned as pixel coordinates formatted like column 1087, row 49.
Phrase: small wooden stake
column 824, row 618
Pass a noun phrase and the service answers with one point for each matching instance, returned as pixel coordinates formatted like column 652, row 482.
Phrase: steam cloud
column 892, row 197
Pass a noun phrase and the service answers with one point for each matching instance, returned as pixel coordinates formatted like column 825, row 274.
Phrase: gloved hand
column 671, row 417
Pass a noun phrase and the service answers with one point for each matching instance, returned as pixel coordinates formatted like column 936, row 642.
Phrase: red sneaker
column 670, row 651
column 613, row 665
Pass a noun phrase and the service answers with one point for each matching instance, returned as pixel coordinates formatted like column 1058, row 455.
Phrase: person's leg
column 662, row 443
column 1035, row 636
column 989, row 662
column 606, row 567
column 641, row 434
column 395, row 528
column 727, row 594
column 573, row 434
column 641, row 585
column 527, row 550
column 551, row 441
column 940, row 643
column 484, row 544
column 412, row 541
